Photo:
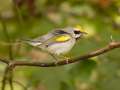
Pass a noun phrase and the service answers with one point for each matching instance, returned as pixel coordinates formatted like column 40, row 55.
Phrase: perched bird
column 59, row 41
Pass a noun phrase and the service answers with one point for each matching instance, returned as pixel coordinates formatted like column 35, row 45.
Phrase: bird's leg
column 66, row 58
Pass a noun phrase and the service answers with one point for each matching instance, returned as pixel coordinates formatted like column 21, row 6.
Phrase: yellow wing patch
column 62, row 38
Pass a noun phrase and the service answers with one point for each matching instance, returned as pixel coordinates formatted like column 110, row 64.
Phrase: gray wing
column 49, row 35
column 45, row 39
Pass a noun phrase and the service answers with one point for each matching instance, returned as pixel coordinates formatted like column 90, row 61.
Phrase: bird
column 58, row 41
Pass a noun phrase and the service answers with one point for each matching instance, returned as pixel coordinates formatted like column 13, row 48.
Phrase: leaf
column 83, row 69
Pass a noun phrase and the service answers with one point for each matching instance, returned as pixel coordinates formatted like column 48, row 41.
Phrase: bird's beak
column 84, row 33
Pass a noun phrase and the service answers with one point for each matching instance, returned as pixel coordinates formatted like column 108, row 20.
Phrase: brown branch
column 103, row 50
column 5, row 76
column 10, row 53
column 12, row 64
column 3, row 82
column 4, row 61
column 8, row 39
column 20, row 84
column 10, row 78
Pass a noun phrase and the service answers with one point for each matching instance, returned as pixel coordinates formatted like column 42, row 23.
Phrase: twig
column 12, row 64
column 8, row 76
column 100, row 51
column 5, row 32
column 20, row 84
column 16, row 9
column 10, row 53
column 20, row 20
column 4, row 61
column 10, row 79
column 103, row 50
column 3, row 83
column 5, row 76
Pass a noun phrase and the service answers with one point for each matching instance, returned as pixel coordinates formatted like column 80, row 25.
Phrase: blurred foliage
column 32, row 18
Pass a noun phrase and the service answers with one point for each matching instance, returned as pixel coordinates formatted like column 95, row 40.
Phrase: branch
column 12, row 64
column 10, row 78
column 5, row 76
column 4, row 61
column 6, row 34
column 103, row 50
column 20, row 84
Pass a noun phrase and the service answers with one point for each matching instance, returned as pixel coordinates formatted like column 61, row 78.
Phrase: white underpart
column 61, row 48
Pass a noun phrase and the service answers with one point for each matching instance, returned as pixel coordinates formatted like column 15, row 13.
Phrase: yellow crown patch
column 79, row 28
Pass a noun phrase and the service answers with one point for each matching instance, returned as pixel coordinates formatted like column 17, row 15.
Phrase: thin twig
column 5, row 32
column 10, row 53
column 5, row 76
column 20, row 22
column 20, row 84
column 4, row 61
column 103, row 50
column 8, row 76
column 11, row 84
column 16, row 9
column 13, row 64
column 3, row 83
column 10, row 79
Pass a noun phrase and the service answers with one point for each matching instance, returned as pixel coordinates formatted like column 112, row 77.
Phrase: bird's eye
column 77, row 32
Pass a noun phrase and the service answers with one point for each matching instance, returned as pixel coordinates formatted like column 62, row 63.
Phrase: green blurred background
column 32, row 18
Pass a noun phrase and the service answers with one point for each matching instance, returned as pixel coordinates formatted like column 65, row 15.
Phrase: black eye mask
column 77, row 32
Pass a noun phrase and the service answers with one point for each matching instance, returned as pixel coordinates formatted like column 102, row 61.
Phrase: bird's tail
column 31, row 42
